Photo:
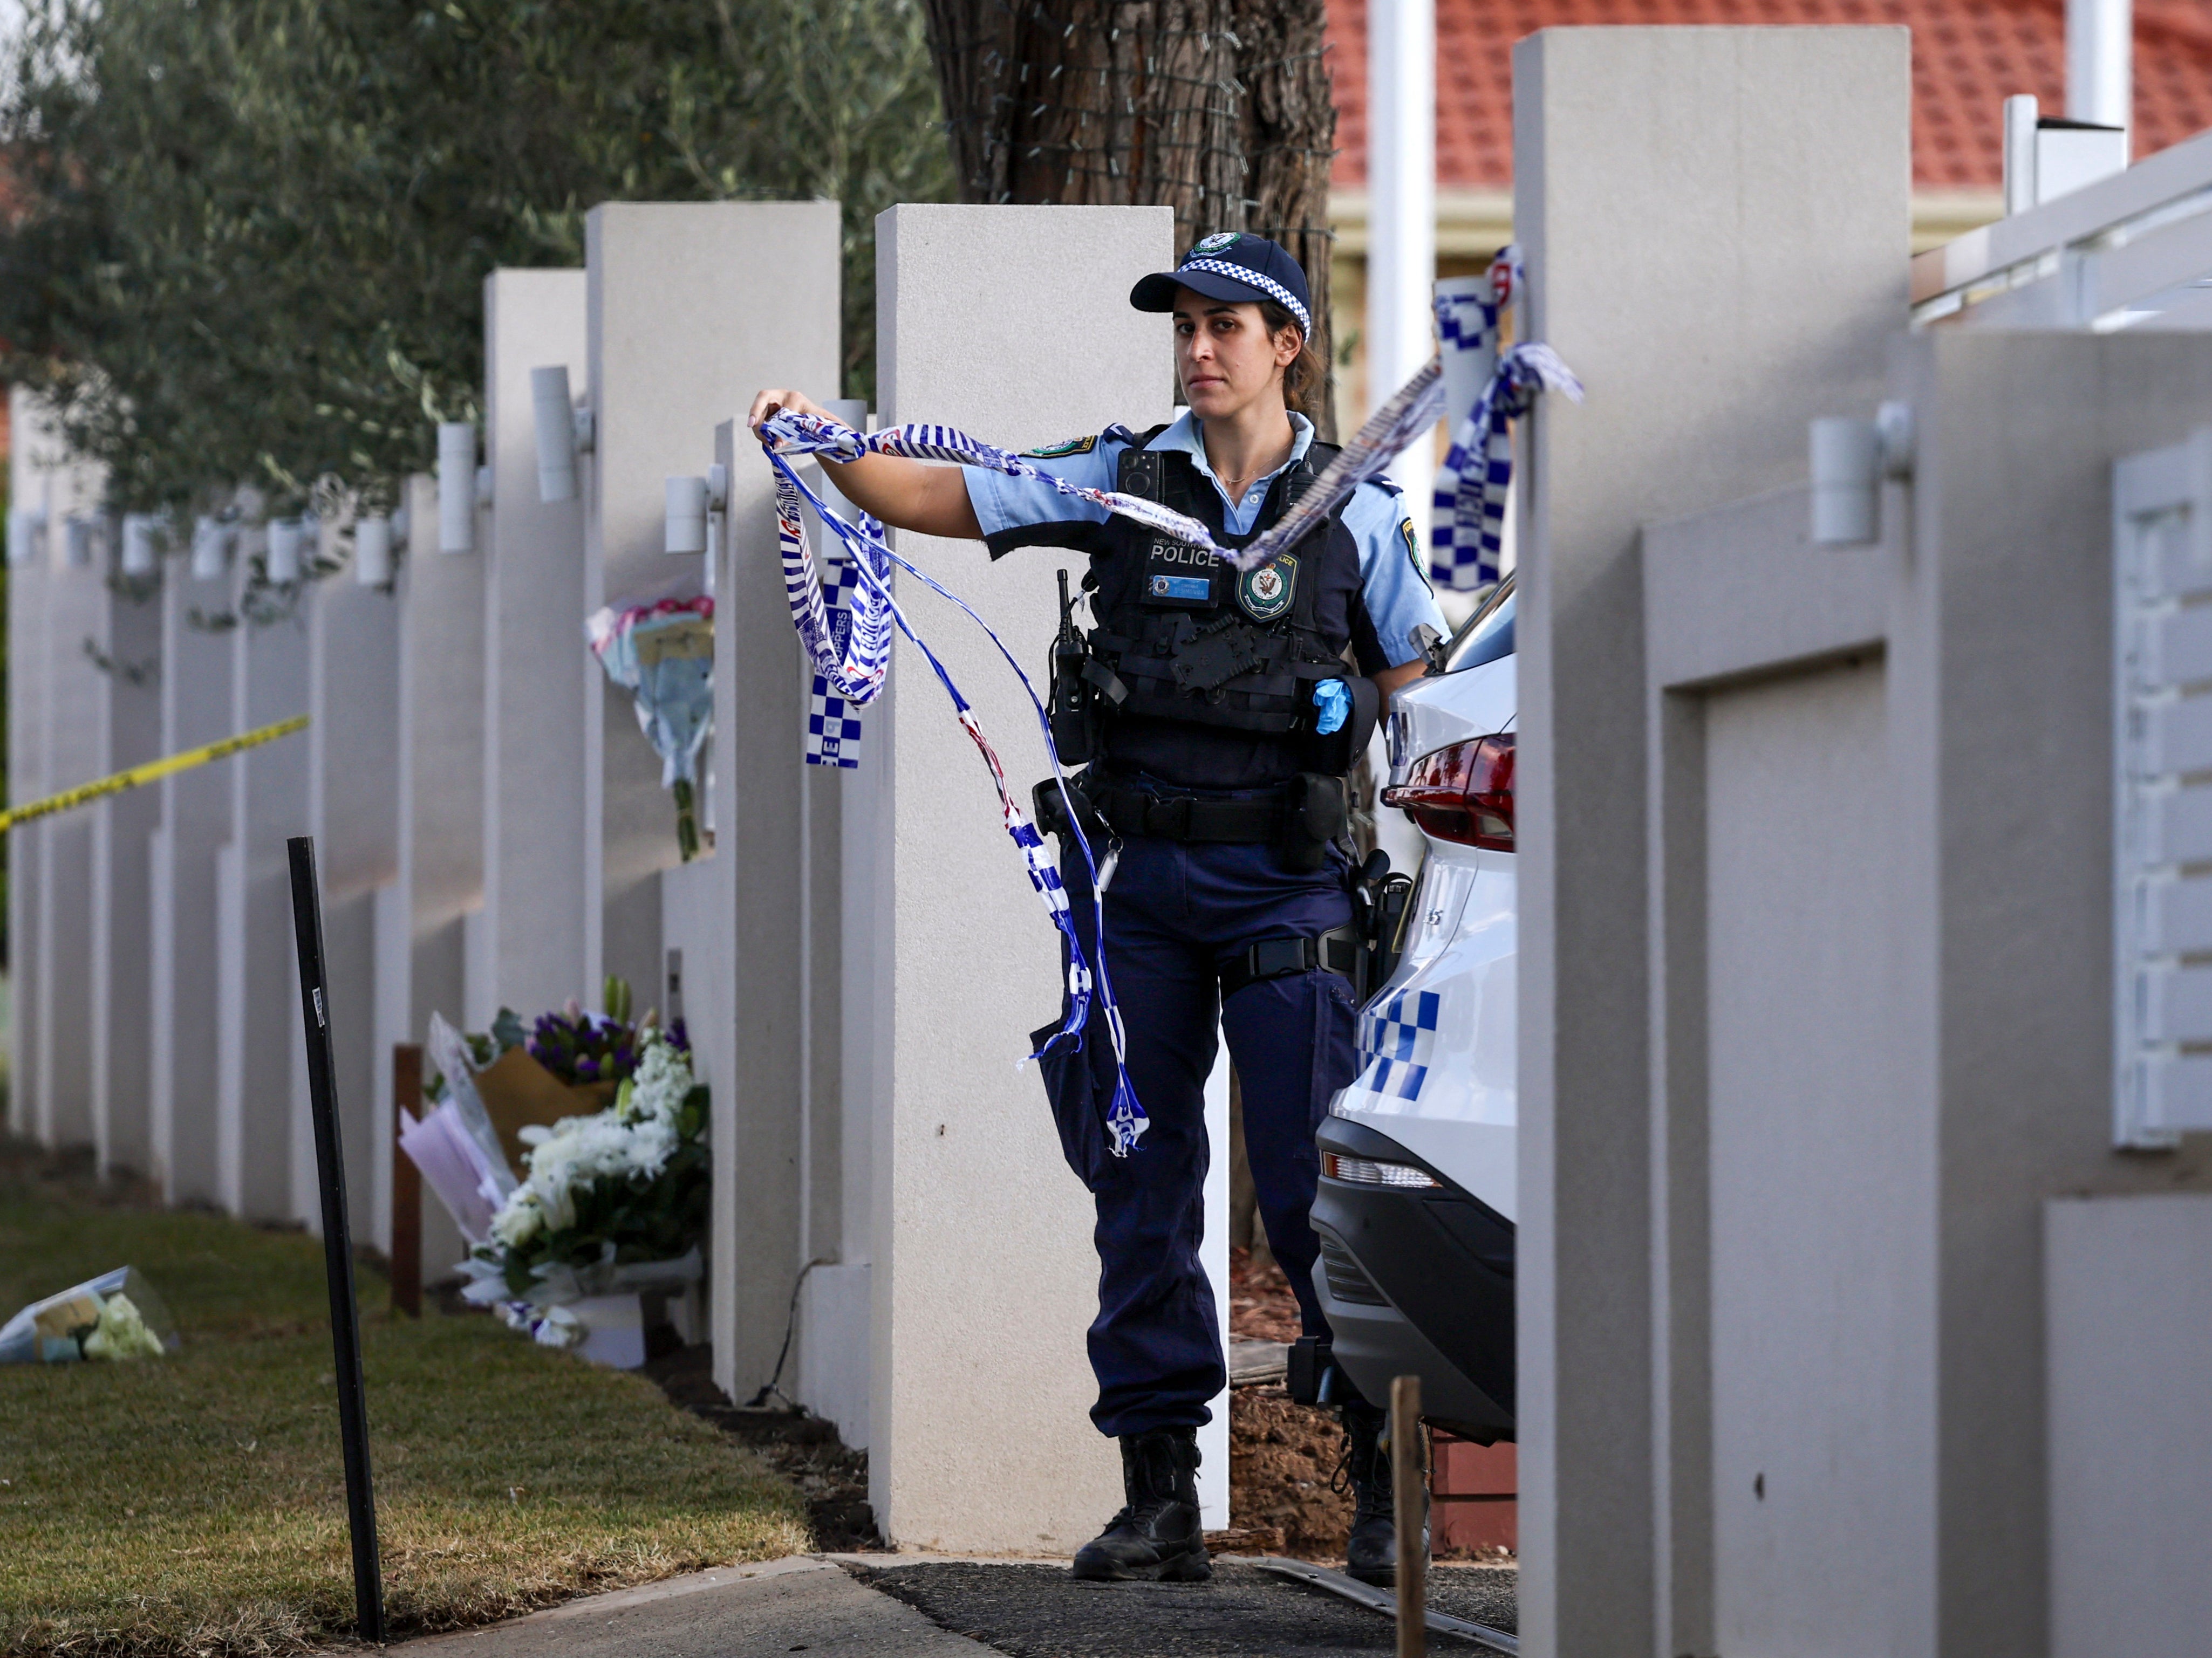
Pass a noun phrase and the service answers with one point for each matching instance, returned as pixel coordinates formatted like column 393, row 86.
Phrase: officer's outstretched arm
column 906, row 494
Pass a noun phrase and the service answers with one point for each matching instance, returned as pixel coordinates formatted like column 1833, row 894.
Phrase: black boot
column 1371, row 1553
column 1157, row 1537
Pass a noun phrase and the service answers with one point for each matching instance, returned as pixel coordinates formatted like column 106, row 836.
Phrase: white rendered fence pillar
column 538, row 678
column 777, row 323
column 198, row 667
column 984, row 1279
column 353, row 811
column 120, row 1015
column 1657, row 173
column 660, row 282
column 424, row 914
column 34, row 540
column 71, row 709
column 28, row 532
column 76, row 600
column 259, row 1018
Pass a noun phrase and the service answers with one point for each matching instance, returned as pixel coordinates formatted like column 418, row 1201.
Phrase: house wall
column 1822, row 1209
column 2005, row 626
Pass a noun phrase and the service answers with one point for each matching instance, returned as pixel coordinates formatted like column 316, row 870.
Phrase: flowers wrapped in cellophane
column 612, row 1202
column 662, row 654
column 117, row 1315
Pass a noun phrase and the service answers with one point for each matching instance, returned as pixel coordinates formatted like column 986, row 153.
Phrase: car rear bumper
column 1418, row 1281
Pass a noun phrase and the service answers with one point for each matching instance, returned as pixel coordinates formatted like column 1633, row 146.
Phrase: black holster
column 1317, row 810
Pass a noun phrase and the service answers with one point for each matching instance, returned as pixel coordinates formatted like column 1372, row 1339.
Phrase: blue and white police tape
column 856, row 670
column 1466, row 526
column 833, row 724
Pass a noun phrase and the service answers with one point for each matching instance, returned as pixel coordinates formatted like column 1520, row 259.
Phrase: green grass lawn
column 197, row 1504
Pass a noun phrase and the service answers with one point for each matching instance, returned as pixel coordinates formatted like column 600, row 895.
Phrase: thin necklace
column 1235, row 487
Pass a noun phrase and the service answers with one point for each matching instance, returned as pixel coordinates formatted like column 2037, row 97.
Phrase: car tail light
column 1366, row 1171
column 1461, row 793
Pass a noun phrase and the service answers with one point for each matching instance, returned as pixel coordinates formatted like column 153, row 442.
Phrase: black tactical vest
column 1219, row 665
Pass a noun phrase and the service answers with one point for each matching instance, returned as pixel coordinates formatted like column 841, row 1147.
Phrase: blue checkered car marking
column 1397, row 1039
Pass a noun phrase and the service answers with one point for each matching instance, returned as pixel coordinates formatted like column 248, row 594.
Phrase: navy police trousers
column 1174, row 911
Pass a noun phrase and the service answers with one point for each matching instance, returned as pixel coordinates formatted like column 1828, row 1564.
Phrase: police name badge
column 1265, row 593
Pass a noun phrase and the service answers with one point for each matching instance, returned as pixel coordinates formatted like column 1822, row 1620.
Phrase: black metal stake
column 337, row 1241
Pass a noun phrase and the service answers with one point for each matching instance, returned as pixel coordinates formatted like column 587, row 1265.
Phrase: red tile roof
column 1968, row 56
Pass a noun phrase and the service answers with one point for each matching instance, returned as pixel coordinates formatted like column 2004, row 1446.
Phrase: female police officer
column 1221, row 716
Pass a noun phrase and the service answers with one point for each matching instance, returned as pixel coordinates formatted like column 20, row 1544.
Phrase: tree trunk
column 1217, row 108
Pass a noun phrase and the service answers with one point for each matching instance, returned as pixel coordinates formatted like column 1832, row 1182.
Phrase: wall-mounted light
column 77, row 540
column 457, row 487
column 26, row 533
column 371, row 550
column 138, row 555
column 211, row 539
column 564, row 432
column 285, row 535
column 685, row 531
column 1851, row 460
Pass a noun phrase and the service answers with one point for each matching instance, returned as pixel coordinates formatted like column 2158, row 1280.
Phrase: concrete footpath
column 800, row 1605
column 892, row 1605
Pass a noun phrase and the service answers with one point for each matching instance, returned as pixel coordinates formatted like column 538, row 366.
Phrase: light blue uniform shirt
column 1395, row 582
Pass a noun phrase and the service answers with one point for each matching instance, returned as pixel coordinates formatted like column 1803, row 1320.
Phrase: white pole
column 1401, row 190
column 2101, row 62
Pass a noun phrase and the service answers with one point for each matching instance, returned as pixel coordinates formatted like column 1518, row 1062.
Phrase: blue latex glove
column 1334, row 699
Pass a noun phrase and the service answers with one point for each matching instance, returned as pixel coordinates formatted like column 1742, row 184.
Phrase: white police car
column 1416, row 1206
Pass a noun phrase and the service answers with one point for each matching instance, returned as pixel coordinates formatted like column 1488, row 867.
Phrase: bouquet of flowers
column 115, row 1316
column 662, row 654
column 612, row 1202
column 581, row 1050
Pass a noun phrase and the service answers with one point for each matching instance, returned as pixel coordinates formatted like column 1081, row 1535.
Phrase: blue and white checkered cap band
column 1267, row 285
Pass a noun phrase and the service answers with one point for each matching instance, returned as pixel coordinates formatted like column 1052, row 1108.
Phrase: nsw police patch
column 1267, row 592
column 1054, row 451
column 1220, row 243
column 1413, row 540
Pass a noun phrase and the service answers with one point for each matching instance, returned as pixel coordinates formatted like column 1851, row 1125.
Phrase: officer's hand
column 767, row 403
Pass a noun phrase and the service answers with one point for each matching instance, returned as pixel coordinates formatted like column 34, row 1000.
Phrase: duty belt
column 1134, row 812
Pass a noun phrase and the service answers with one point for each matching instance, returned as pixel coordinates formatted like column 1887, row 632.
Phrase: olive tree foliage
column 244, row 241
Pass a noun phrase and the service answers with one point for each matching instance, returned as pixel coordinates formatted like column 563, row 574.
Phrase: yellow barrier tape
column 152, row 771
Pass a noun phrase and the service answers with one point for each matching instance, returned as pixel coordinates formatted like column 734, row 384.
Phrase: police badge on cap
column 1265, row 593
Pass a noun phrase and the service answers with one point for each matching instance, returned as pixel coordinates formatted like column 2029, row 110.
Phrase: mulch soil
column 832, row 1480
column 1283, row 1456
